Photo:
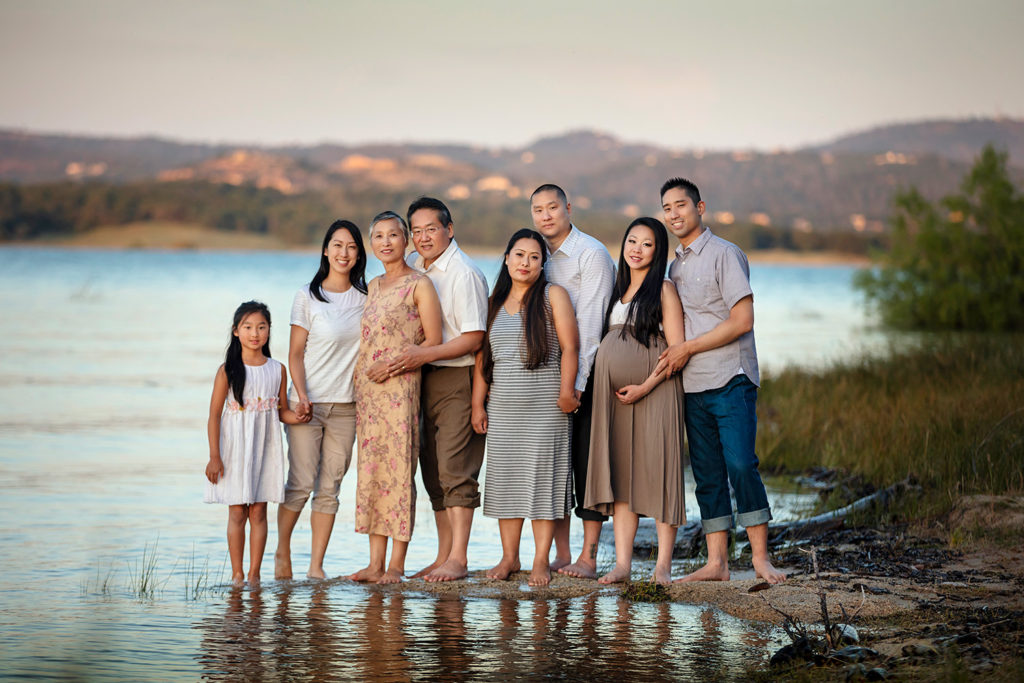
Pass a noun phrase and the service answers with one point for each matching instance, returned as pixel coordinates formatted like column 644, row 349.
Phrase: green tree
column 957, row 264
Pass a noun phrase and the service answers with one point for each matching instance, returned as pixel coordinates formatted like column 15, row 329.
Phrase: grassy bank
column 949, row 412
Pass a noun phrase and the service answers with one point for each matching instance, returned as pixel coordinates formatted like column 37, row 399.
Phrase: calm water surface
column 106, row 365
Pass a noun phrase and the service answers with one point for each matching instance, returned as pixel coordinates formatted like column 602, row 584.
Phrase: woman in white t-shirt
column 322, row 354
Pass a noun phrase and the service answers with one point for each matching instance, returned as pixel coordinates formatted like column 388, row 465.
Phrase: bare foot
column 616, row 575
column 503, row 569
column 581, row 569
column 449, row 571
column 392, row 575
column 238, row 579
column 709, row 572
column 768, row 572
column 282, row 565
column 541, row 574
column 253, row 580
column 366, row 574
column 426, row 570
column 662, row 576
column 316, row 573
column 560, row 562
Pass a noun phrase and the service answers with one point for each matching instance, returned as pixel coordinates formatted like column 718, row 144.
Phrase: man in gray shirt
column 720, row 378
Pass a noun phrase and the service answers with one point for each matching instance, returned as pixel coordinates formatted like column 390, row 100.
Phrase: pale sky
column 742, row 74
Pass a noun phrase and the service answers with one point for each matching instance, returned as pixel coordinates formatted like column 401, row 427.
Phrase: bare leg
column 396, row 567
column 563, row 553
column 237, row 515
column 286, row 520
column 717, row 568
column 257, row 540
column 666, row 542
column 444, row 543
column 543, row 533
column 585, row 566
column 625, row 522
column 322, row 523
column 456, row 566
column 758, row 536
column 374, row 570
column 511, row 532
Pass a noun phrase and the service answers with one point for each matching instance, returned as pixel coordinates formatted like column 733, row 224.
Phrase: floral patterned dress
column 387, row 414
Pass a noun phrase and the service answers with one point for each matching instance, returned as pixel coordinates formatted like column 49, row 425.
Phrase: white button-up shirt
column 462, row 289
column 585, row 269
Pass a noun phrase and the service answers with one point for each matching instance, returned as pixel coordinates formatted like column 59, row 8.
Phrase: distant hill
column 842, row 185
column 957, row 140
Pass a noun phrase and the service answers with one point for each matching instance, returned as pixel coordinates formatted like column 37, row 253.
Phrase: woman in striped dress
column 528, row 364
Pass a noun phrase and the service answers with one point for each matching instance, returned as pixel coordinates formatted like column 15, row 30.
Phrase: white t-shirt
column 332, row 343
column 462, row 290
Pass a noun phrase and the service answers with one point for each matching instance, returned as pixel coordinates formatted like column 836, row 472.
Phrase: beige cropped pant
column 319, row 453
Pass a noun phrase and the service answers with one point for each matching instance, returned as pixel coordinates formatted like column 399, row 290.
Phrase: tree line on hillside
column 55, row 210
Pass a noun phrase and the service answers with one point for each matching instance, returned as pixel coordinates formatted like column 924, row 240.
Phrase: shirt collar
column 442, row 261
column 569, row 244
column 697, row 245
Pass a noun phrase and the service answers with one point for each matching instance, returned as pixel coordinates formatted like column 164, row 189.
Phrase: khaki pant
column 319, row 453
column 451, row 453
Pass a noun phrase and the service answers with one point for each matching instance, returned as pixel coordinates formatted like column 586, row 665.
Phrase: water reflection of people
column 380, row 638
column 233, row 646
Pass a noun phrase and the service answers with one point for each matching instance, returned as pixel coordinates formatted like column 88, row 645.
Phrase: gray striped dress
column 528, row 474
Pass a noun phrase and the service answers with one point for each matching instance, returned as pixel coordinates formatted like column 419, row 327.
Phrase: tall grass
column 949, row 412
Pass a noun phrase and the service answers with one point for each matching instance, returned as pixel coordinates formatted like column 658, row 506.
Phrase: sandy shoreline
column 186, row 237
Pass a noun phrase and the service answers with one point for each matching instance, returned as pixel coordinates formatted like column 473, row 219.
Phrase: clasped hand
column 673, row 358
column 569, row 403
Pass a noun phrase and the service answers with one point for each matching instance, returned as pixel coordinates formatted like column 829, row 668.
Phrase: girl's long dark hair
column 534, row 312
column 357, row 276
column 234, row 368
column 644, row 313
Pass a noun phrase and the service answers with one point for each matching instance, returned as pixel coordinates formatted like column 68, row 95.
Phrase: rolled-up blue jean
column 720, row 426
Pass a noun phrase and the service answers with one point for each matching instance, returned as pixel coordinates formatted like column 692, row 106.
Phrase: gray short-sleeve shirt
column 711, row 276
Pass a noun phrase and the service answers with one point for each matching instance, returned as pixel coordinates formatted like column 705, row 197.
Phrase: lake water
column 106, row 365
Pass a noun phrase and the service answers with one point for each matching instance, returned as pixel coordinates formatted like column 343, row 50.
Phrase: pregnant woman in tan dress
column 636, row 436
column 402, row 308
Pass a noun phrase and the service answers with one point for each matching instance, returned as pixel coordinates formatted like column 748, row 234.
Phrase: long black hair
column 234, row 368
column 534, row 313
column 357, row 276
column 644, row 313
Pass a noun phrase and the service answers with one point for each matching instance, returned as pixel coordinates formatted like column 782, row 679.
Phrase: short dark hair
column 444, row 216
column 685, row 185
column 550, row 187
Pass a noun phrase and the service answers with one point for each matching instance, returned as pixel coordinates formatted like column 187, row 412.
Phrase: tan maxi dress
column 387, row 414
column 635, row 450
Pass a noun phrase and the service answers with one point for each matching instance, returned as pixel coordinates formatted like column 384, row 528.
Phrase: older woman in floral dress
column 402, row 308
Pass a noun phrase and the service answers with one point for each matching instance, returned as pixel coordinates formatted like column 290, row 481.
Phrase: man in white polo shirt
column 451, row 453
column 581, row 265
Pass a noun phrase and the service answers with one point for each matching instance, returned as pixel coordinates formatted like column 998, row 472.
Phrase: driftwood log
column 690, row 537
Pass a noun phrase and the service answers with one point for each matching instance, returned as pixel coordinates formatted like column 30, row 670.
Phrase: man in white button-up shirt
column 581, row 265
column 451, row 453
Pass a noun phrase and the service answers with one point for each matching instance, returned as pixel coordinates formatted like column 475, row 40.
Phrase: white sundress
column 250, row 442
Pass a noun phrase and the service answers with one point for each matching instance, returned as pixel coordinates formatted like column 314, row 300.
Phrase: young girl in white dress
column 247, row 465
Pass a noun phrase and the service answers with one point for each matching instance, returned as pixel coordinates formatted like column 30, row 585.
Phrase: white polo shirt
column 462, row 289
